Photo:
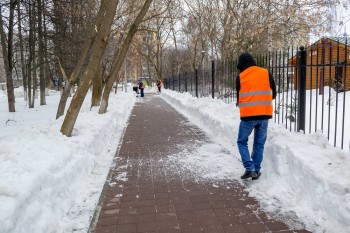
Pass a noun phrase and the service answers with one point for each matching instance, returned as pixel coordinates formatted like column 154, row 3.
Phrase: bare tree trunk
column 97, row 51
column 23, row 63
column 41, row 55
column 121, row 55
column 8, row 54
column 48, row 77
column 33, row 54
column 159, row 60
column 227, row 21
column 34, row 77
column 87, row 46
column 175, row 44
column 59, row 36
column 97, row 89
column 31, row 44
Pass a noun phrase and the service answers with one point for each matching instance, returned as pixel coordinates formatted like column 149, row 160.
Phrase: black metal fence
column 216, row 80
column 312, row 85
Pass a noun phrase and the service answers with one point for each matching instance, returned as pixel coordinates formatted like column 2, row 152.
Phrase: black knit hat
column 245, row 61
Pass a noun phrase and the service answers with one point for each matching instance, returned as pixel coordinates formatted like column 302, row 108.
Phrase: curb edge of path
column 94, row 219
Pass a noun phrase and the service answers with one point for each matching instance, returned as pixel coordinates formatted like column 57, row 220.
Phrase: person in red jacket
column 159, row 84
column 256, row 89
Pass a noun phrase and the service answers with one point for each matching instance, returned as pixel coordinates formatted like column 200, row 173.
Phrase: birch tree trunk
column 121, row 56
column 87, row 46
column 97, row 51
column 8, row 54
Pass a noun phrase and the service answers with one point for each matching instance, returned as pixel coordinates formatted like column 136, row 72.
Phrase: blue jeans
column 252, row 163
column 142, row 93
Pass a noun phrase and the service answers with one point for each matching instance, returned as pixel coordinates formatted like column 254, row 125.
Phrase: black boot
column 258, row 174
column 248, row 174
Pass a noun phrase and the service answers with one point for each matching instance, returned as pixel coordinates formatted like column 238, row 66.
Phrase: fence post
column 213, row 79
column 185, row 81
column 301, row 88
column 196, row 76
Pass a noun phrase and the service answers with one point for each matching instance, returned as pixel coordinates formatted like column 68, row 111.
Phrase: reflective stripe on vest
column 251, row 93
column 256, row 103
column 255, row 95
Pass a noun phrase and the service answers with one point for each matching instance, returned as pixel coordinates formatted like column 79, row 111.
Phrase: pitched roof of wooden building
column 343, row 41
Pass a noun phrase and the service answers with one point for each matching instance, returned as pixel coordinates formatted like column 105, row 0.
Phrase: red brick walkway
column 146, row 193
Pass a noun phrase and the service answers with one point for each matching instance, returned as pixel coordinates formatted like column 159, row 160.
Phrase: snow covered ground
column 51, row 183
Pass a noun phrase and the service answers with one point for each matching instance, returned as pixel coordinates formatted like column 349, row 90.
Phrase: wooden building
column 327, row 64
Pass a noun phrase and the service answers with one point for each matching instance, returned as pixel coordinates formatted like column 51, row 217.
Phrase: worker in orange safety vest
column 256, row 89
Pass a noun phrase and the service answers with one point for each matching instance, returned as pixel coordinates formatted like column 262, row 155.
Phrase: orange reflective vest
column 255, row 94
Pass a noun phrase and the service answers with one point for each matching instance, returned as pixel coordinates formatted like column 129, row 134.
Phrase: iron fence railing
column 312, row 86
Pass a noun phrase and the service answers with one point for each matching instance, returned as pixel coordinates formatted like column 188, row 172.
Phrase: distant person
column 135, row 88
column 159, row 85
column 142, row 87
column 256, row 89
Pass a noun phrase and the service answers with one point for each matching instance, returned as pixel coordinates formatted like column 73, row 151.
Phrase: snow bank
column 46, row 179
column 304, row 177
